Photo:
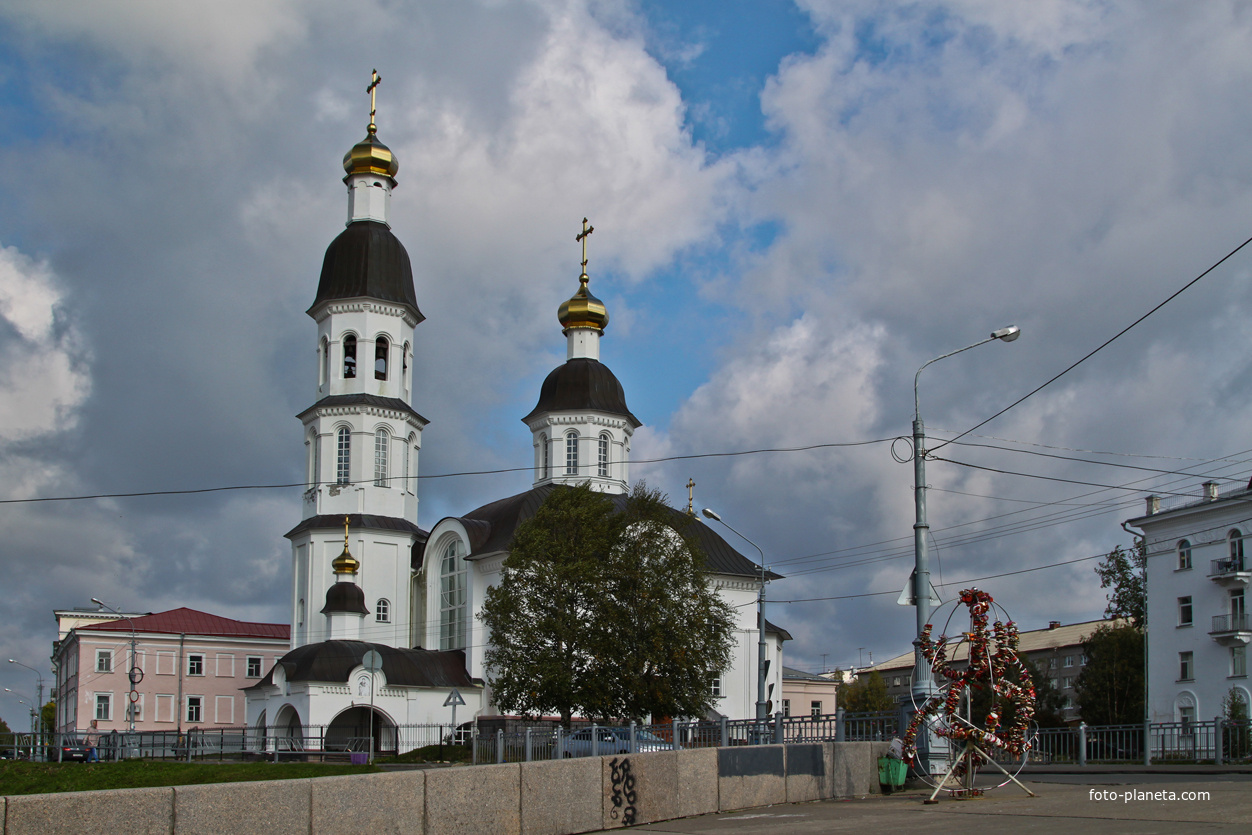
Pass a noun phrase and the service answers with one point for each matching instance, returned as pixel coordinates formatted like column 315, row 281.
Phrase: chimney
column 1154, row 505
column 1210, row 491
column 1054, row 624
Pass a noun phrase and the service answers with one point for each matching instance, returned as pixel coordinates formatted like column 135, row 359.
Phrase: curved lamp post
column 760, row 620
column 39, row 676
column 130, row 705
column 923, row 684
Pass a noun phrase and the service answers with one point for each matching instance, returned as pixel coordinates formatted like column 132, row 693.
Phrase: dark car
column 71, row 750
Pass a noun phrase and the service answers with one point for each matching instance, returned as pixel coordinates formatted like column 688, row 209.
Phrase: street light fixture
column 761, row 663
column 39, row 676
column 130, row 671
column 923, row 685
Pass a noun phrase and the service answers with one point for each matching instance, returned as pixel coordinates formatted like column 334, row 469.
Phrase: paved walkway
column 1082, row 804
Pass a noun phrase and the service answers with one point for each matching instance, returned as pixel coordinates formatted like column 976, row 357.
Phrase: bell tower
column 361, row 434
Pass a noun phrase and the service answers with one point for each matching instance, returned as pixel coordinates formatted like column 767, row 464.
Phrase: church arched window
column 602, row 455
column 408, row 463
column 571, row 453
column 382, row 610
column 381, row 347
column 323, row 366
column 452, row 597
column 313, row 459
column 545, row 456
column 404, row 367
column 343, row 461
column 349, row 357
column 382, row 451
column 300, row 613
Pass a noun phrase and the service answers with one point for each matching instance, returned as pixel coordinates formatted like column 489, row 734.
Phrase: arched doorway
column 288, row 731
column 352, row 729
column 258, row 739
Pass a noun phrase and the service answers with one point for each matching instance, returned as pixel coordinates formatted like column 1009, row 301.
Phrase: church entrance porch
column 352, row 730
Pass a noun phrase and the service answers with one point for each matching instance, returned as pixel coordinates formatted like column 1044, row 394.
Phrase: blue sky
column 796, row 204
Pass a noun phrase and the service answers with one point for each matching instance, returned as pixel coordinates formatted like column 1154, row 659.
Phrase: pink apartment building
column 192, row 666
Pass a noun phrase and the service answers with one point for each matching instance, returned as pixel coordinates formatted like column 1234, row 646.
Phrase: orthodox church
column 384, row 618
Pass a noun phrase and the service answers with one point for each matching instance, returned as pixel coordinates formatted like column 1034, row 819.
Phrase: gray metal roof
column 333, row 661
column 367, row 261
column 393, row 403
column 582, row 384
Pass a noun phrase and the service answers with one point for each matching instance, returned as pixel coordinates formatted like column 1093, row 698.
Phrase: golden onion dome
column 583, row 310
column 370, row 156
column 345, row 563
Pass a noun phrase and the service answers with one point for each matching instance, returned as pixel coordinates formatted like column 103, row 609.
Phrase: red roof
column 191, row 622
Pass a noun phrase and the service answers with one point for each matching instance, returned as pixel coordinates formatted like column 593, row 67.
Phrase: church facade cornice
column 363, row 305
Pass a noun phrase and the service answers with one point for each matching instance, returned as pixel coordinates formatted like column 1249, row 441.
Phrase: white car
column 611, row 741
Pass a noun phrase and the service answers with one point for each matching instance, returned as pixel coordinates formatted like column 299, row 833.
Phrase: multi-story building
column 808, row 694
column 1198, row 624
column 191, row 667
column 1055, row 651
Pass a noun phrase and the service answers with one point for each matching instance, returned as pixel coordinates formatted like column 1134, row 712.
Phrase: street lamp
column 923, row 684
column 39, row 676
column 24, row 701
column 130, row 671
column 761, row 663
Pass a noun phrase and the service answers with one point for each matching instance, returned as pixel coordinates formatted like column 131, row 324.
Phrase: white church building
column 365, row 576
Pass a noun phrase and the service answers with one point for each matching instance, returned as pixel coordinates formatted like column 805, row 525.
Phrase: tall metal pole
column 929, row 752
column 38, row 728
column 130, row 670
column 761, row 650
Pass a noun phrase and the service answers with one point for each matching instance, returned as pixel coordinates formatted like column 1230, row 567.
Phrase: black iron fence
column 1215, row 741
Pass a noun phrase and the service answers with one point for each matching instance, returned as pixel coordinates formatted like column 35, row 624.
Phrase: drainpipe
column 178, row 707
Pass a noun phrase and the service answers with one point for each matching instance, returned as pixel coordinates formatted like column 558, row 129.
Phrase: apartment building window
column 104, row 661
column 1186, row 666
column 1239, row 661
column 195, row 664
column 104, row 706
column 195, row 708
column 1184, row 611
column 254, row 666
column 716, row 687
column 1069, row 661
column 1186, row 715
column 1184, row 555
column 786, row 707
column 815, row 709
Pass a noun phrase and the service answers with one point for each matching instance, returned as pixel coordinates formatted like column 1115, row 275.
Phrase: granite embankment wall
column 558, row 797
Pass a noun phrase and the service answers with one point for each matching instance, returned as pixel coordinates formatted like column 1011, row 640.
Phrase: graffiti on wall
column 623, row 795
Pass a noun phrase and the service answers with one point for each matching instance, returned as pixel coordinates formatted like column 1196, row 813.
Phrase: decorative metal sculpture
column 993, row 666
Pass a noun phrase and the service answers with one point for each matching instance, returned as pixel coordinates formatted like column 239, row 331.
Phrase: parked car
column 72, row 750
column 611, row 741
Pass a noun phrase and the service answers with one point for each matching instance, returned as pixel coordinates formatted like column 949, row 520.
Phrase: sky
column 796, row 204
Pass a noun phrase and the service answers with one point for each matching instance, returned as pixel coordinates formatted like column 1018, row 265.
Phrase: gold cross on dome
column 582, row 236
column 345, row 533
column 374, row 79
column 691, row 497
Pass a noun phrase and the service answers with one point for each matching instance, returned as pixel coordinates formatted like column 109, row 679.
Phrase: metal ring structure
column 992, row 665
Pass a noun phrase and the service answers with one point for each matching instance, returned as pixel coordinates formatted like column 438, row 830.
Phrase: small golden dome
column 345, row 563
column 583, row 310
column 369, row 156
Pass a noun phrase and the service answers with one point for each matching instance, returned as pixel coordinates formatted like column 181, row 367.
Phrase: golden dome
column 369, row 156
column 583, row 310
column 345, row 563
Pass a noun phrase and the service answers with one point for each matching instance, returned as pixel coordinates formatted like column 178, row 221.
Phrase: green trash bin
column 892, row 773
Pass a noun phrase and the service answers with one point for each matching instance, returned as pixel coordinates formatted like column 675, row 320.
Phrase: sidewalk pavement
column 1087, row 803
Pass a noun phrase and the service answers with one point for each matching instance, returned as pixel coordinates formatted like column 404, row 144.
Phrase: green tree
column 1123, row 571
column 48, row 716
column 4, row 727
column 605, row 613
column 1110, row 686
column 868, row 694
column 1236, row 735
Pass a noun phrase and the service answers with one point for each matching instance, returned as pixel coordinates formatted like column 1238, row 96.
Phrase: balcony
column 1232, row 630
column 1229, row 572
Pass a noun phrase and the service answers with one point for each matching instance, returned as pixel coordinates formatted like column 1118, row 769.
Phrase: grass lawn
column 19, row 777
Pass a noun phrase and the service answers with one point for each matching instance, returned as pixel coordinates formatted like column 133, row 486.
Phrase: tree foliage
column 1123, row 571
column 48, row 716
column 1110, row 686
column 4, row 727
column 1048, row 702
column 606, row 614
column 868, row 694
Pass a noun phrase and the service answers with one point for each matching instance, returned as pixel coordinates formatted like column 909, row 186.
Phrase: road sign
column 454, row 698
column 907, row 598
column 372, row 661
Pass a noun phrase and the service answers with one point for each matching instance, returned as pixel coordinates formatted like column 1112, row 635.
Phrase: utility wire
column 1098, row 348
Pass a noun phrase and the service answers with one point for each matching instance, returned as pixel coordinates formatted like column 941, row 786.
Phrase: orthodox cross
column 582, row 236
column 691, row 497
column 374, row 79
